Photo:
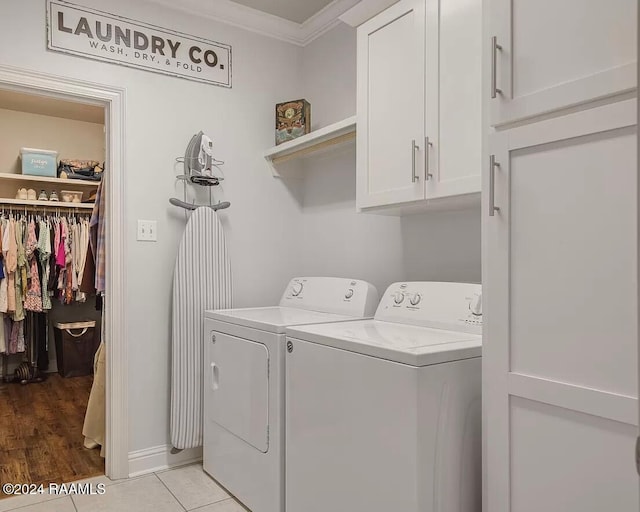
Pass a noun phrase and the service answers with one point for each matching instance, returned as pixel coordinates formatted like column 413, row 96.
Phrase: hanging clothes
column 53, row 268
column 2, row 276
column 3, row 341
column 61, row 260
column 94, row 426
column 40, row 257
column 12, row 264
column 16, row 337
column 4, row 306
column 21, row 272
column 80, row 258
column 33, row 300
column 97, row 228
column 94, row 264
column 68, row 261
column 44, row 253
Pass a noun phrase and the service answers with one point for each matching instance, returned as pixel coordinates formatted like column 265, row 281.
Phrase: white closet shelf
column 42, row 179
column 50, row 204
column 324, row 138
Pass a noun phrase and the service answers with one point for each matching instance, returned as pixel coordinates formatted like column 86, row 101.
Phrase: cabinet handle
column 414, row 148
column 492, row 185
column 427, row 145
column 494, row 57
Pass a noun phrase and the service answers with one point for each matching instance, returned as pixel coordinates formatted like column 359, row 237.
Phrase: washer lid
column 408, row 344
column 273, row 319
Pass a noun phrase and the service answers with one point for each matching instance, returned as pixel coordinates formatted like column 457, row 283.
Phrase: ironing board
column 201, row 281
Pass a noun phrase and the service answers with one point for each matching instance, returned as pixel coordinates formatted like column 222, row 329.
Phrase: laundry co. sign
column 102, row 36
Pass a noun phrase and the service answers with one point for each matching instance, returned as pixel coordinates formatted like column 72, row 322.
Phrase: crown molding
column 364, row 10
column 325, row 19
column 237, row 15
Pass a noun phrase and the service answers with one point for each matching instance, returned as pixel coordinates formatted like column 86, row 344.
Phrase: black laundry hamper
column 76, row 345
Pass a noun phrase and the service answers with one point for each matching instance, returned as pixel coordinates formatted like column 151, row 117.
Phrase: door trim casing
column 113, row 100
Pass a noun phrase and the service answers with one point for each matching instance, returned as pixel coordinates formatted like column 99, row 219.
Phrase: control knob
column 475, row 306
column 398, row 297
column 349, row 293
column 296, row 289
column 415, row 299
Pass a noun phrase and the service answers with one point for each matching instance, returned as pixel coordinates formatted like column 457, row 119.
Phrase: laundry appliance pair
column 317, row 404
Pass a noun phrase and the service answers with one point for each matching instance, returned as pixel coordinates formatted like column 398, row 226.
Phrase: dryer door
column 237, row 387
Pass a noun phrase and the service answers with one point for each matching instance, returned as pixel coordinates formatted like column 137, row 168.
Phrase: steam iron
column 198, row 165
column 198, row 159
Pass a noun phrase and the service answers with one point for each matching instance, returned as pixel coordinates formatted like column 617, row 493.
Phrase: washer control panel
column 351, row 297
column 296, row 289
column 454, row 306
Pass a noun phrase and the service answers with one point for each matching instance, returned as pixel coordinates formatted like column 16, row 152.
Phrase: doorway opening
column 47, row 374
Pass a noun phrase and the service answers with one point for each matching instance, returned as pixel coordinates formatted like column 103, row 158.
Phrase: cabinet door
column 561, row 315
column 390, row 87
column 556, row 54
column 454, row 98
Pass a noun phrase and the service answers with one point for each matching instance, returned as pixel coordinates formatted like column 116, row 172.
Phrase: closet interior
column 52, row 155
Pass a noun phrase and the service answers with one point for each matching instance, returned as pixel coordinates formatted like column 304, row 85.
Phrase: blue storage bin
column 39, row 162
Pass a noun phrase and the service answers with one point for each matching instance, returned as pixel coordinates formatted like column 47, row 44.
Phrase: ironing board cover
column 201, row 281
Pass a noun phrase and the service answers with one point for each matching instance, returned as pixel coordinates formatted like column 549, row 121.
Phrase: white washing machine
column 244, row 383
column 384, row 414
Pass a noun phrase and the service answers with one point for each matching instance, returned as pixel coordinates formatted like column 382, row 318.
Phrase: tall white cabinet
column 560, row 236
column 419, row 104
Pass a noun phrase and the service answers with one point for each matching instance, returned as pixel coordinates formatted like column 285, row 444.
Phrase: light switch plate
column 147, row 230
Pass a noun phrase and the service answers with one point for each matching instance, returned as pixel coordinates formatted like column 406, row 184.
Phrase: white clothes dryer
column 244, row 383
column 385, row 414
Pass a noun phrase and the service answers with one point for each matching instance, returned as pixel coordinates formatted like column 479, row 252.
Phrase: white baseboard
column 158, row 458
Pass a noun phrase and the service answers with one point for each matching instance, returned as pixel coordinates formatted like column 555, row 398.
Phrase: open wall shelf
column 330, row 136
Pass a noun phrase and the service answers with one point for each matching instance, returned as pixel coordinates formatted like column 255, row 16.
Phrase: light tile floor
column 186, row 488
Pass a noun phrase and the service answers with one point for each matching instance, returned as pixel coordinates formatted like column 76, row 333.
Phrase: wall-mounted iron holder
column 204, row 181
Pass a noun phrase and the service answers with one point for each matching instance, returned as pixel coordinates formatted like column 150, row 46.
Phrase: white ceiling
column 297, row 11
column 295, row 21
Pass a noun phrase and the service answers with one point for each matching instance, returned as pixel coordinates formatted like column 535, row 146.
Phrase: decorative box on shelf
column 293, row 119
column 39, row 162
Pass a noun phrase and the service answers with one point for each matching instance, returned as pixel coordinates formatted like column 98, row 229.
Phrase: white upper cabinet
column 550, row 54
column 391, row 106
column 419, row 104
column 454, row 98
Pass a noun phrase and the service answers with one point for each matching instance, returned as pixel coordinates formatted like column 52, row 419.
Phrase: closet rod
column 15, row 208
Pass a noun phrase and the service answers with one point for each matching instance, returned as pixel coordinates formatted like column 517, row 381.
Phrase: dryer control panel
column 454, row 306
column 351, row 297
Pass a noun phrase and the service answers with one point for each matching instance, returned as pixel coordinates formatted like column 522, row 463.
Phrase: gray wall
column 429, row 246
column 162, row 113
column 275, row 228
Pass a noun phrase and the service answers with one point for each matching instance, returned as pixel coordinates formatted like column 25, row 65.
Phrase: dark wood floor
column 41, row 432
